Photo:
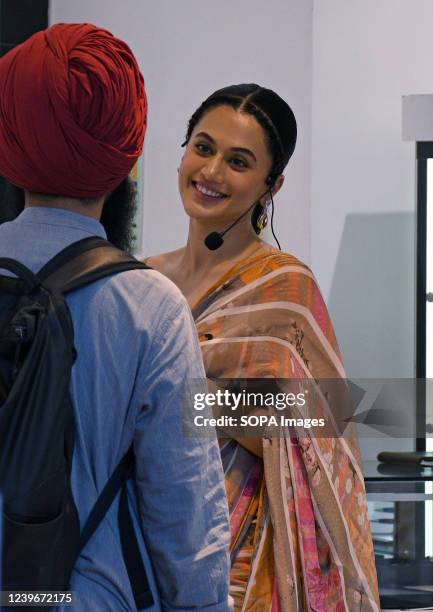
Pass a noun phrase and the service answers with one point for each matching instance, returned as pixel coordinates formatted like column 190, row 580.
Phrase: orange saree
column 300, row 535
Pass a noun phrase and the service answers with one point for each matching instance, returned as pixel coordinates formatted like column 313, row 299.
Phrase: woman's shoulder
column 282, row 259
column 278, row 275
column 164, row 262
column 285, row 262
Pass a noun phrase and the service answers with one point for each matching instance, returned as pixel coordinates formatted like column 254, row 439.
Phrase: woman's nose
column 213, row 169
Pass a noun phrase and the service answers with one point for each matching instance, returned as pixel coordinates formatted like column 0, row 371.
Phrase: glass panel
column 404, row 570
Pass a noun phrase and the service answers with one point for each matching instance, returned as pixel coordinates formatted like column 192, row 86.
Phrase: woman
column 300, row 532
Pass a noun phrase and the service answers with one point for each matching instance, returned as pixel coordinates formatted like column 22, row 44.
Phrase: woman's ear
column 278, row 184
column 274, row 189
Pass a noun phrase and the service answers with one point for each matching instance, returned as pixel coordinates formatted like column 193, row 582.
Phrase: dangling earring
column 262, row 220
column 259, row 218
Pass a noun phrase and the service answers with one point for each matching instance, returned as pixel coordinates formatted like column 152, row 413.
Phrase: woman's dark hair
column 117, row 214
column 271, row 112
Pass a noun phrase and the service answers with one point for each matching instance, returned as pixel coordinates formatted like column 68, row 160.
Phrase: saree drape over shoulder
column 300, row 532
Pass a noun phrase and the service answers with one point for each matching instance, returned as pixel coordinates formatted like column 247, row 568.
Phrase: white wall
column 367, row 54
column 187, row 50
column 344, row 74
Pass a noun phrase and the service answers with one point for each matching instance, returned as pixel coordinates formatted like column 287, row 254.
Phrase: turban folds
column 72, row 112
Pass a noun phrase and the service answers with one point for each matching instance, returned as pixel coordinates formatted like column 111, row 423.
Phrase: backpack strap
column 121, row 473
column 25, row 279
column 85, row 262
column 131, row 553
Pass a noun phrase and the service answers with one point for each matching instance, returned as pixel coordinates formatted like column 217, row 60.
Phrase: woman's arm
column 252, row 444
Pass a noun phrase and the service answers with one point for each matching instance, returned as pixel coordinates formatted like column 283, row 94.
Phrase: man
column 72, row 123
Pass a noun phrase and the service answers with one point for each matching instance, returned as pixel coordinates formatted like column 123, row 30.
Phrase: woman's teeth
column 208, row 192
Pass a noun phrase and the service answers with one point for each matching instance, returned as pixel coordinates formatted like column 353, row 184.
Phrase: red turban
column 72, row 112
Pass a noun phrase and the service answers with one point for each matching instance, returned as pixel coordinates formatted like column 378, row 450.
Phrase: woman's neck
column 239, row 243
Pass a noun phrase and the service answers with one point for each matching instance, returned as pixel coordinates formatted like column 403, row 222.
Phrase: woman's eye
column 237, row 162
column 202, row 148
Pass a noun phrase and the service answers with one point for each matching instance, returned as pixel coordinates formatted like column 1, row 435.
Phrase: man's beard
column 117, row 214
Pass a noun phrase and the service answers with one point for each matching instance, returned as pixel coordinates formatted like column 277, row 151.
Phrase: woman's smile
column 206, row 193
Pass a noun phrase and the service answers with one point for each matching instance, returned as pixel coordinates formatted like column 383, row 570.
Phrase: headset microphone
column 214, row 240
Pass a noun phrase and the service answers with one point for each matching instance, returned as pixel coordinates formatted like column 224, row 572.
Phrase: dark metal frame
column 424, row 151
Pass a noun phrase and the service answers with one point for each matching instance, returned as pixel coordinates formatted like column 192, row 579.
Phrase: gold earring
column 262, row 221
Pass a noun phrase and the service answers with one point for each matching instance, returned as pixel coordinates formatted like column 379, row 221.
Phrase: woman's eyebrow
column 245, row 151
column 235, row 149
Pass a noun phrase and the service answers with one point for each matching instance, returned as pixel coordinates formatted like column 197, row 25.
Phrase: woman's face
column 225, row 166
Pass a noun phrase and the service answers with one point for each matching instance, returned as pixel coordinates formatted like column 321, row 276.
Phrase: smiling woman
column 218, row 178
column 219, row 169
column 300, row 533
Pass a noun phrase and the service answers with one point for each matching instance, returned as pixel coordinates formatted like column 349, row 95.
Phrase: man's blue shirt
column 137, row 350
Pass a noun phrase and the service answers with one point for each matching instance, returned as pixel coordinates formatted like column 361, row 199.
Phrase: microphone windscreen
column 213, row 241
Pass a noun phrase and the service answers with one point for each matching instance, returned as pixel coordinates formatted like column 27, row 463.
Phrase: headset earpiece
column 270, row 181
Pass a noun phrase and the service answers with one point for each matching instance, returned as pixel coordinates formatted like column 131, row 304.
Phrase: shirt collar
column 62, row 217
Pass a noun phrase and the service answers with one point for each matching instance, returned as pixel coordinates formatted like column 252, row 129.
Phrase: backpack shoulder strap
column 85, row 262
column 131, row 553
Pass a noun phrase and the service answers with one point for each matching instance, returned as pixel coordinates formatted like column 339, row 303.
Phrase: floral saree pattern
column 300, row 535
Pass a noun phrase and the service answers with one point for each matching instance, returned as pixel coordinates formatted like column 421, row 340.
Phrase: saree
column 300, row 534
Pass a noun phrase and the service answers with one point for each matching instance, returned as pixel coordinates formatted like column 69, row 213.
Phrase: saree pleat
column 300, row 532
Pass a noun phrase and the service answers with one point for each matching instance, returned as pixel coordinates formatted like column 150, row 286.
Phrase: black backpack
column 41, row 530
